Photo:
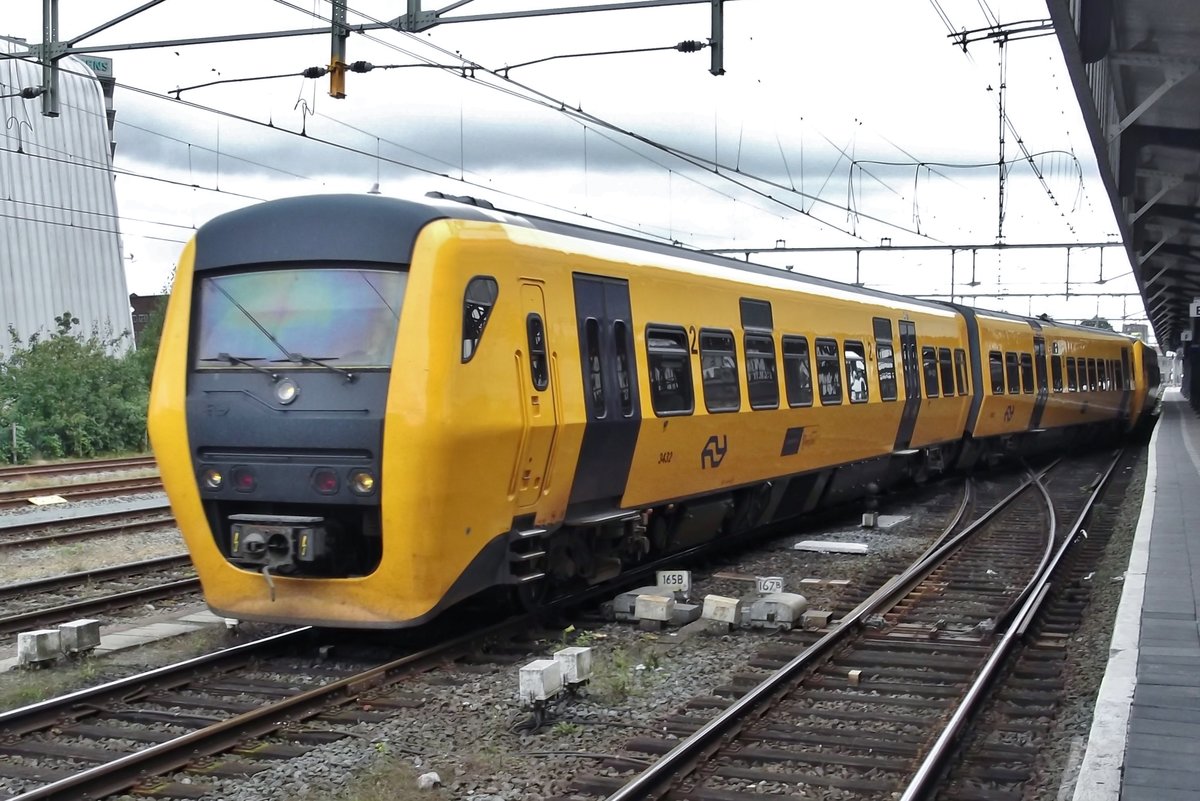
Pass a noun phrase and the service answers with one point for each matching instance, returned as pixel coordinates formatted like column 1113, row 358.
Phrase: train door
column 539, row 424
column 610, row 389
column 912, row 383
column 1043, row 391
column 1126, row 384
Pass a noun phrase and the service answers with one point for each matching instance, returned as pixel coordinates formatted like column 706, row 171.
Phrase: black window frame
column 962, row 380
column 755, row 386
column 885, row 360
column 793, row 386
column 595, row 368
column 707, row 340
column 1072, row 375
column 625, row 378
column 929, row 369
column 1026, row 373
column 996, row 371
column 539, row 360
column 1056, row 373
column 862, row 355
column 655, row 352
column 1012, row 372
column 946, row 372
column 836, row 373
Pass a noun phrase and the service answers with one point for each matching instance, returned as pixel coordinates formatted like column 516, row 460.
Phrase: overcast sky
column 813, row 94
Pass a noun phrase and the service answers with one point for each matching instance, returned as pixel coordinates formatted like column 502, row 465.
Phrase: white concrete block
column 540, row 680
column 782, row 610
column 654, row 607
column 625, row 604
column 80, row 636
column 828, row 546
column 870, row 519
column 887, row 521
column 575, row 663
column 720, row 609
column 38, row 647
column 816, row 618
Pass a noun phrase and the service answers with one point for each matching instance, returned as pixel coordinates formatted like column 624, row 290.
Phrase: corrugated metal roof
column 60, row 247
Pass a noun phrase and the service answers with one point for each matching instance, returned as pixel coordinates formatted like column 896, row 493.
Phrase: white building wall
column 60, row 248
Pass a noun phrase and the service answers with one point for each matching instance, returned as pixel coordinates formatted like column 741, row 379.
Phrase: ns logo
column 714, row 451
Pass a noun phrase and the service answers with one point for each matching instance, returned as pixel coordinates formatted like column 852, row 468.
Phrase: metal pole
column 49, row 59
column 717, row 42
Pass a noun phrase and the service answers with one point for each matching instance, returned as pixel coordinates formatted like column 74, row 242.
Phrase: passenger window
column 1091, row 375
column 885, row 358
column 595, row 372
column 960, row 371
column 996, row 366
column 478, row 301
column 718, row 369
column 670, row 370
column 1013, row 368
column 762, row 382
column 947, row 371
column 856, row 372
column 624, row 382
column 539, row 369
column 1026, row 373
column 1072, row 381
column 1056, row 372
column 797, row 373
column 1119, row 373
column 829, row 375
column 929, row 363
column 1103, row 370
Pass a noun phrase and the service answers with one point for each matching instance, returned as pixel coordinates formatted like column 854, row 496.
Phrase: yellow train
column 367, row 409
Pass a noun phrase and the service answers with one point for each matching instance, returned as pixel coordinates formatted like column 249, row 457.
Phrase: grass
column 624, row 672
column 30, row 562
column 391, row 777
column 23, row 687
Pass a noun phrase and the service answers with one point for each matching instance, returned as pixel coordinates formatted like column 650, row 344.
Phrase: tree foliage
column 71, row 395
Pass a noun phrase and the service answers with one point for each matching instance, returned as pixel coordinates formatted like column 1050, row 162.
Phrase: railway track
column 151, row 517
column 25, row 472
column 17, row 498
column 876, row 706
column 258, row 700
column 46, row 601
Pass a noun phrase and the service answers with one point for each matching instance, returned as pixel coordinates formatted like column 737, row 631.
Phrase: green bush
column 72, row 395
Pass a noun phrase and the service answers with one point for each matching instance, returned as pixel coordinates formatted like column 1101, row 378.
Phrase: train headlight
column 213, row 479
column 325, row 481
column 286, row 391
column 362, row 482
column 244, row 479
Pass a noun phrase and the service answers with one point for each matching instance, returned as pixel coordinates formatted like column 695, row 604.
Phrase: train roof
column 383, row 229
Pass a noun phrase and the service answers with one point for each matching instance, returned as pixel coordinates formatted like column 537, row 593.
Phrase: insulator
column 361, row 66
column 314, row 72
column 690, row 46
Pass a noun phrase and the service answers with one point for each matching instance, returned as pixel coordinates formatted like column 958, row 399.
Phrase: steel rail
column 18, row 472
column 93, row 489
column 178, row 752
column 1039, row 588
column 658, row 776
column 113, row 571
column 13, row 624
column 136, row 527
column 42, row 714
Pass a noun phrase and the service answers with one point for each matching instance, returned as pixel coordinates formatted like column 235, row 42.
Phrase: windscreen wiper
column 246, row 360
column 302, row 359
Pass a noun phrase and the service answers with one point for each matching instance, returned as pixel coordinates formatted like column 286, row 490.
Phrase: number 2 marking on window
column 1009, row 412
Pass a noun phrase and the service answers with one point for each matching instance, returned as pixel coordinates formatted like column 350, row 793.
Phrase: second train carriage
column 367, row 409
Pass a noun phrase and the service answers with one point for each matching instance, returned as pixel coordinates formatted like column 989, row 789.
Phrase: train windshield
column 344, row 316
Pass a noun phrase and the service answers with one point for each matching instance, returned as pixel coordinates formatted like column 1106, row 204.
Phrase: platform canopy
column 1133, row 64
